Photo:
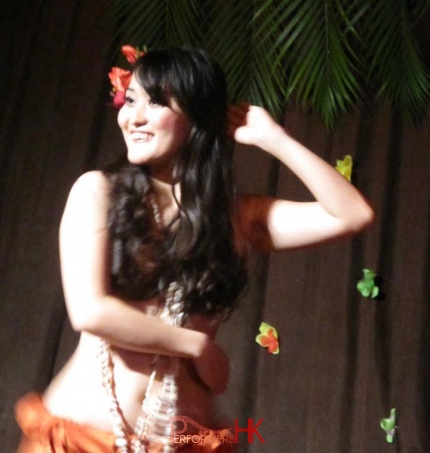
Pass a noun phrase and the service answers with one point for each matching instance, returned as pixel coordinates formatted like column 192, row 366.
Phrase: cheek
column 181, row 128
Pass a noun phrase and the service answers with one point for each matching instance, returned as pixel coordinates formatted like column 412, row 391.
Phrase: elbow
column 86, row 318
column 364, row 220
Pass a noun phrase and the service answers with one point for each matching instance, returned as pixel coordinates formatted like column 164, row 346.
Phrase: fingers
column 236, row 117
column 236, row 114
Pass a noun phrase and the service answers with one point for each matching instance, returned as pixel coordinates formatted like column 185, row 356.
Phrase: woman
column 163, row 231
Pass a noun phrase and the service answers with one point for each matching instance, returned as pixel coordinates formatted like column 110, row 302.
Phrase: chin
column 133, row 160
column 137, row 158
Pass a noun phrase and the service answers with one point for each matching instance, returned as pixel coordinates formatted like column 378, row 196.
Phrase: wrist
column 199, row 344
column 276, row 140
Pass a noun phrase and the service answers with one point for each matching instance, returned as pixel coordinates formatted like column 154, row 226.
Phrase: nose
column 138, row 114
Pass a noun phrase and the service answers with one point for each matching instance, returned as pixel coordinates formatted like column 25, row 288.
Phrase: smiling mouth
column 141, row 136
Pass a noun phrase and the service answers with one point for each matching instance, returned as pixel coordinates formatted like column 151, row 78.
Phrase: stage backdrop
column 345, row 360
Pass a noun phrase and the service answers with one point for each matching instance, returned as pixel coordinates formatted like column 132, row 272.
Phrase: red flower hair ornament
column 120, row 78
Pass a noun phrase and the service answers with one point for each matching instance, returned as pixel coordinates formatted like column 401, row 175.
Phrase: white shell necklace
column 154, row 423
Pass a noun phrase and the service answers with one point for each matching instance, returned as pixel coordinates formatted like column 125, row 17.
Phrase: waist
column 77, row 393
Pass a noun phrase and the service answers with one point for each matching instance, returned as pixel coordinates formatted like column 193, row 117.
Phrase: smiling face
column 153, row 132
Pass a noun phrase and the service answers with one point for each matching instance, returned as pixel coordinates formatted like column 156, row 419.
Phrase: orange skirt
column 44, row 433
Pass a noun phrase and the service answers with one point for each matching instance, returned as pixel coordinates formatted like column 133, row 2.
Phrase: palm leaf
column 320, row 60
column 229, row 42
column 184, row 21
column 419, row 9
column 267, row 80
column 140, row 22
column 395, row 62
column 158, row 23
column 327, row 54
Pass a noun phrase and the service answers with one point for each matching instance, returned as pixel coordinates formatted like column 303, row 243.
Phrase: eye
column 129, row 100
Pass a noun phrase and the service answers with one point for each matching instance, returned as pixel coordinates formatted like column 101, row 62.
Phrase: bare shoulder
column 90, row 183
column 91, row 187
column 88, row 198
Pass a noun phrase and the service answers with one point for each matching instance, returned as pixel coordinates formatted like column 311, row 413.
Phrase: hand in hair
column 269, row 224
column 251, row 125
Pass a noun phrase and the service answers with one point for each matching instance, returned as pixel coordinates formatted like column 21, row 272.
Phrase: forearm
column 85, row 268
column 334, row 193
column 129, row 328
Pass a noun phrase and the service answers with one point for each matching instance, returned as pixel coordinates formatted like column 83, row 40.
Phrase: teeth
column 141, row 136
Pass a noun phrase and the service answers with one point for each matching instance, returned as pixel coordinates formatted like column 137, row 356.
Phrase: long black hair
column 199, row 252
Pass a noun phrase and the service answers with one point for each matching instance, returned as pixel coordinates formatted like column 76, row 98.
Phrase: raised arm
column 273, row 224
column 92, row 308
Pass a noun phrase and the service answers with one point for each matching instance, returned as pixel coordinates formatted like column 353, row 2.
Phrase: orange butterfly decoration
column 268, row 338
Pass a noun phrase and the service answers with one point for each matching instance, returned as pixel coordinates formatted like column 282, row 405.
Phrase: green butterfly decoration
column 389, row 426
column 368, row 287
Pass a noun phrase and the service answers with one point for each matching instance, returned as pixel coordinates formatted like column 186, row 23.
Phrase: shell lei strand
column 154, row 423
column 114, row 410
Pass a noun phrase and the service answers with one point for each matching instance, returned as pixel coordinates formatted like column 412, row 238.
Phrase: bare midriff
column 77, row 393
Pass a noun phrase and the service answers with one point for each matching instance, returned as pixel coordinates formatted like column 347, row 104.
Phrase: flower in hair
column 120, row 78
column 344, row 167
column 268, row 338
column 132, row 53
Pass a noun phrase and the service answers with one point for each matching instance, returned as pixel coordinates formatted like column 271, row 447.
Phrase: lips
column 140, row 136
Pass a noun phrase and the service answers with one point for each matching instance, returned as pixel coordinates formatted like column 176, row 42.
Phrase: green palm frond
column 320, row 60
column 248, row 63
column 419, row 9
column 158, row 23
column 267, row 80
column 184, row 21
column 395, row 62
column 140, row 22
column 230, row 44
column 325, row 54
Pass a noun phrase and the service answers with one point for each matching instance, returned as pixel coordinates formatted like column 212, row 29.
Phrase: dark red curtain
column 345, row 360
